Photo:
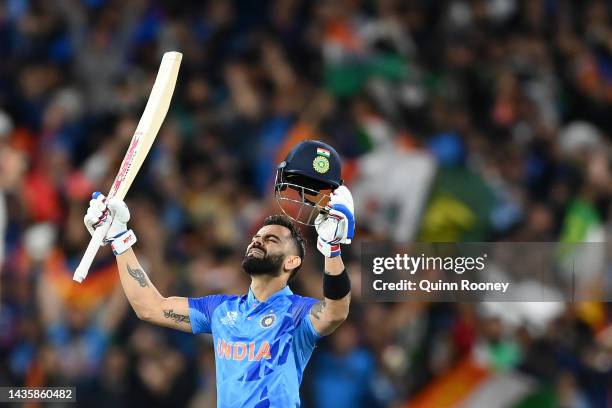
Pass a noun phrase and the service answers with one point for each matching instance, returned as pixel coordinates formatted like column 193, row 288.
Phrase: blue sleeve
column 201, row 311
column 305, row 336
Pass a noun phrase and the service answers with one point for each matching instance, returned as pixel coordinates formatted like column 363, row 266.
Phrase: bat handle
column 92, row 249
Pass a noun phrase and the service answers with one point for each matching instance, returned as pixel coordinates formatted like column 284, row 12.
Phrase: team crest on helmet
column 268, row 320
column 320, row 164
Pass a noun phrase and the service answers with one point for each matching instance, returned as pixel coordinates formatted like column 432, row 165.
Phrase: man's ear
column 292, row 262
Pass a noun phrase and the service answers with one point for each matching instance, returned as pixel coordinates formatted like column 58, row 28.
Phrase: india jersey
column 261, row 348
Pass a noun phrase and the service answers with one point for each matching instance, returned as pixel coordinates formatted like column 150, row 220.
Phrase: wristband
column 123, row 242
column 336, row 287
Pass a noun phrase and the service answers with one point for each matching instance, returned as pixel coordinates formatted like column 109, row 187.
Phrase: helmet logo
column 320, row 164
column 322, row 152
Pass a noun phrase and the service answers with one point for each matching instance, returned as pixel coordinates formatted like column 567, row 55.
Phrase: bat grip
column 92, row 249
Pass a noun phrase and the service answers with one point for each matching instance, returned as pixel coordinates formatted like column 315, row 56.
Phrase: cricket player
column 263, row 339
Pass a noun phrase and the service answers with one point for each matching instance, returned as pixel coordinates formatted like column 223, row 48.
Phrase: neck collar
column 252, row 300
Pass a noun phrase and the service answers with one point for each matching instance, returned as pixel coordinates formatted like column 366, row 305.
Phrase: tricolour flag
column 322, row 152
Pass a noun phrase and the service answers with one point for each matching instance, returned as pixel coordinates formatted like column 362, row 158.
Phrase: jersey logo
column 238, row 351
column 268, row 320
column 229, row 319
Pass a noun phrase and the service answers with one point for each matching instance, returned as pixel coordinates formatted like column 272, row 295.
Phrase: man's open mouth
column 256, row 252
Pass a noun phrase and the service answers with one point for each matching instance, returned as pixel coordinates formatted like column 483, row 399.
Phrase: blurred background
column 458, row 120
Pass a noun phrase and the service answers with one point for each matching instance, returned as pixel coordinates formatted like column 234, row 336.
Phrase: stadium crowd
column 475, row 120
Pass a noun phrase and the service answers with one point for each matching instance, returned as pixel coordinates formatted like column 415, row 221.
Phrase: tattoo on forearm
column 139, row 276
column 178, row 318
column 317, row 309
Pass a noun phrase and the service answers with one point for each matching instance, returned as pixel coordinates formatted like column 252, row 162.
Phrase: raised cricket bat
column 146, row 131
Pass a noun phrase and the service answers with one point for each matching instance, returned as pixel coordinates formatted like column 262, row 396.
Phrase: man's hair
column 296, row 235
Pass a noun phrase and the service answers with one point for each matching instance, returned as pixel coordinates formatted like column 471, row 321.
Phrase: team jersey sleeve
column 201, row 310
column 305, row 336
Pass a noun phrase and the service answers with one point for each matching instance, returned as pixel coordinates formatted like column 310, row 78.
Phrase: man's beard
column 268, row 265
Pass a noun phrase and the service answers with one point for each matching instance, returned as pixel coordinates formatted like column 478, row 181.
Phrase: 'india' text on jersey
column 261, row 348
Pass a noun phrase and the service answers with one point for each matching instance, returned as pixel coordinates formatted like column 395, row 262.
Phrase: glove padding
column 338, row 225
column 101, row 211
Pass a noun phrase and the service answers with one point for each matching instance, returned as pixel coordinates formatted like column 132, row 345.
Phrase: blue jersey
column 261, row 348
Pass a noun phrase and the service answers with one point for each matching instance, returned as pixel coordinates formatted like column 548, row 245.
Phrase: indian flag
column 322, row 152
column 471, row 385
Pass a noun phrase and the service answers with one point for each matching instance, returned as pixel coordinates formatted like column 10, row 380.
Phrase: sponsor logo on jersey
column 229, row 319
column 240, row 351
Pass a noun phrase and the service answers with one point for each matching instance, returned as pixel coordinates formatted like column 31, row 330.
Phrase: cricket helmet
column 305, row 179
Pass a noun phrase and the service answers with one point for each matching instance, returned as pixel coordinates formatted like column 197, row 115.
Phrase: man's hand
column 102, row 211
column 335, row 228
column 146, row 301
column 338, row 225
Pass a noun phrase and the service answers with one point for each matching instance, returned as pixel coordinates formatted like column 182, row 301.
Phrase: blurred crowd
column 458, row 120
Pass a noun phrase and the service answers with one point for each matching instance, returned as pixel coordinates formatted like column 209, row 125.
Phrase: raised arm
column 335, row 228
column 147, row 302
column 329, row 313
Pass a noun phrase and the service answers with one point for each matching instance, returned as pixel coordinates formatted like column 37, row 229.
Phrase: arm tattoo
column 178, row 318
column 139, row 276
column 317, row 309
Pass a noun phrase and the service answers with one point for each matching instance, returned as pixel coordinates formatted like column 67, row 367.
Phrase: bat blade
column 142, row 140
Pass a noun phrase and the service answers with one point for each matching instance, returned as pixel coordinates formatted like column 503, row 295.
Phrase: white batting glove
column 338, row 225
column 101, row 212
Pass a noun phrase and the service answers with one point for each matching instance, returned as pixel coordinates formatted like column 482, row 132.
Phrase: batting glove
column 338, row 225
column 102, row 211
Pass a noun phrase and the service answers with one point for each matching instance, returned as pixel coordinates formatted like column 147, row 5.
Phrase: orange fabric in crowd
column 100, row 282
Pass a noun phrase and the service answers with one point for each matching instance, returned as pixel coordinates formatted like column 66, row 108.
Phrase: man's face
column 268, row 250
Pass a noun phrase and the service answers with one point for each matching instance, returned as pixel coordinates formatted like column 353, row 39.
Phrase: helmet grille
column 301, row 198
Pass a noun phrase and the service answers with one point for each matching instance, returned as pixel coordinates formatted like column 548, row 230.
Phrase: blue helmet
column 304, row 179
